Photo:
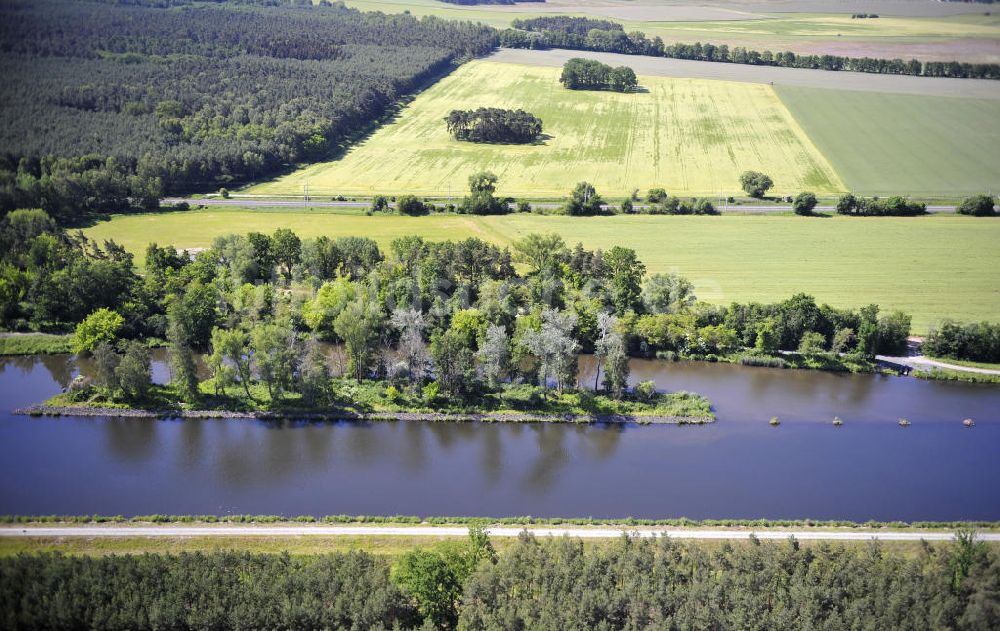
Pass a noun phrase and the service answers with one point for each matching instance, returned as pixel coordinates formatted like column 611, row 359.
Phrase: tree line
column 134, row 101
column 589, row 74
column 583, row 34
column 491, row 124
column 629, row 583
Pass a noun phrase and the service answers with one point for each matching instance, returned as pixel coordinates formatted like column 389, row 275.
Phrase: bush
column 977, row 206
column 431, row 392
column 804, row 203
column 656, row 195
column 410, row 205
column 645, row 390
column 224, row 193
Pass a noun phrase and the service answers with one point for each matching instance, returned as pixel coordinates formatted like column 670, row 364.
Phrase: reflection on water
column 739, row 467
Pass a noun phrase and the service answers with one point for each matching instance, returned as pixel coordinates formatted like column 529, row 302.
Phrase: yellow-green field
column 931, row 267
column 691, row 136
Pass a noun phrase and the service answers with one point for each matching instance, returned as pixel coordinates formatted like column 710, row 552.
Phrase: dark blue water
column 870, row 468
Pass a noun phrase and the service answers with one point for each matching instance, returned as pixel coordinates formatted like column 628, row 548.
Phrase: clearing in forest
column 690, row 136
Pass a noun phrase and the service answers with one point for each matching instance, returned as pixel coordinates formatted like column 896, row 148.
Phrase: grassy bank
column 942, row 374
column 898, row 263
column 35, row 344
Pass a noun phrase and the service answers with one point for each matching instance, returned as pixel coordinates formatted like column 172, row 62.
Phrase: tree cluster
column 895, row 206
column 589, row 74
column 542, row 33
column 110, row 106
column 491, row 124
column 977, row 341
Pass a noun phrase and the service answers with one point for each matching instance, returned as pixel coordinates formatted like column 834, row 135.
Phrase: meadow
column 690, row 136
column 932, row 267
column 883, row 143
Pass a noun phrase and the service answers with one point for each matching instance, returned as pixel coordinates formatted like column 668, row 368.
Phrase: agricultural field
column 882, row 143
column 931, row 267
column 691, row 136
column 925, row 30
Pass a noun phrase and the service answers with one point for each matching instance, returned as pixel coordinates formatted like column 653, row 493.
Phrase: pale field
column 931, row 267
column 690, row 136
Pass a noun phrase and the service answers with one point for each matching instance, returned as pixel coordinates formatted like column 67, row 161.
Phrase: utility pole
column 305, row 195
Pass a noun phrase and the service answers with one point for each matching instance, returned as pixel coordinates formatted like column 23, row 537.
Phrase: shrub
column 410, row 205
column 224, row 193
column 804, row 203
column 391, row 394
column 645, row 390
column 431, row 392
column 977, row 206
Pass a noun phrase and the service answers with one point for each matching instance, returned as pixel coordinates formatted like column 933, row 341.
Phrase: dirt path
column 459, row 531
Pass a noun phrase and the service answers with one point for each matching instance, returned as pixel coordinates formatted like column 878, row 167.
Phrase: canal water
column 738, row 467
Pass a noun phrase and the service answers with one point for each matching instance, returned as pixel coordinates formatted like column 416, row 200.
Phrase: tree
column 540, row 251
column 494, row 355
column 893, row 333
column 100, row 326
column 755, row 183
column 554, row 347
column 843, row 340
column 868, row 330
column 275, row 355
column 230, row 346
column 804, row 203
column 768, row 336
column 183, row 366
column 410, row 325
column 192, row 315
column 667, row 293
column 286, row 248
column 380, row 204
column 626, row 272
column 481, row 201
column 331, row 299
column 616, row 364
column 429, row 578
column 358, row 325
column 977, row 206
column 622, row 79
column 812, row 343
column 314, row 374
column 453, row 361
column 133, row 371
column 106, row 362
column 584, row 200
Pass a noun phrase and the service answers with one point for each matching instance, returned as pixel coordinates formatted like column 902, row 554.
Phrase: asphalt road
column 316, row 203
column 181, row 530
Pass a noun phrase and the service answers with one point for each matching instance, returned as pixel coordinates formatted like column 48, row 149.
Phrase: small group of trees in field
column 978, row 206
column 490, row 124
column 589, row 74
column 894, row 206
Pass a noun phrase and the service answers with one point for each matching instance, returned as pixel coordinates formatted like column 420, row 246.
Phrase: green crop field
column 891, row 143
column 691, row 136
column 931, row 267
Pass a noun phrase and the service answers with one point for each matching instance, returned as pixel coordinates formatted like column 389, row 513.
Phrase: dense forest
column 136, row 101
column 589, row 74
column 588, row 34
column 541, row 584
column 491, row 124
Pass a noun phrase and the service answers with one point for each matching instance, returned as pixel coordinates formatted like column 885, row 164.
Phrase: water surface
column 739, row 467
